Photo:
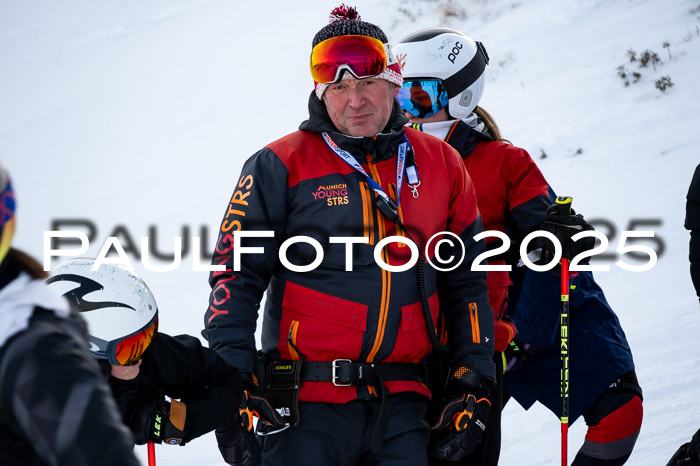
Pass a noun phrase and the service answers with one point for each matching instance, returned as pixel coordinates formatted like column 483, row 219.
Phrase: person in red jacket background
column 511, row 192
column 443, row 84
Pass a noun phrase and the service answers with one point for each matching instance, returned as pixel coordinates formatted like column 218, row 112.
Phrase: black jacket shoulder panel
column 48, row 377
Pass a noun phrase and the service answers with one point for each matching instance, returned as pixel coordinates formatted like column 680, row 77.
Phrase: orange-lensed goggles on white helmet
column 362, row 56
column 129, row 350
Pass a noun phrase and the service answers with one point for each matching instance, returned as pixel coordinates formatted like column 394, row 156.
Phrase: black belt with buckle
column 282, row 384
column 344, row 372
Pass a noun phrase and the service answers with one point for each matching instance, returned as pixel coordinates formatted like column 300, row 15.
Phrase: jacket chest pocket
column 413, row 342
column 320, row 327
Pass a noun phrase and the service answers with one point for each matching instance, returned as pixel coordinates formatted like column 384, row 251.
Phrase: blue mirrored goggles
column 423, row 98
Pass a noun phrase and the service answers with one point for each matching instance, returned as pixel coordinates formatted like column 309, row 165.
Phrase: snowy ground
column 139, row 115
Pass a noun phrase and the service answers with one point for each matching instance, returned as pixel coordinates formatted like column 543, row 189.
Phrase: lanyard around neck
column 411, row 172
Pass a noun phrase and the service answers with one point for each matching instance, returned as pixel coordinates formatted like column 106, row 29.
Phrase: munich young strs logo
column 334, row 194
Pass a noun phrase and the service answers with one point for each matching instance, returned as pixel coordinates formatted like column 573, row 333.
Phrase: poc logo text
column 455, row 51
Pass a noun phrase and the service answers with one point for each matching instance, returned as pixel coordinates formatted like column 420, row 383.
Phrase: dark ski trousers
column 339, row 435
column 488, row 450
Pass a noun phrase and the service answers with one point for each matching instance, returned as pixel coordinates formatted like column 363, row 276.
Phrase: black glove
column 156, row 420
column 254, row 403
column 238, row 445
column 516, row 354
column 564, row 226
column 462, row 421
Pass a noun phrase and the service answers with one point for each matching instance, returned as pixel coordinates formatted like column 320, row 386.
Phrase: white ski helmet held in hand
column 118, row 307
column 450, row 56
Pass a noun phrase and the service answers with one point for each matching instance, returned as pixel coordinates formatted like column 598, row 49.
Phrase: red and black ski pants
column 613, row 420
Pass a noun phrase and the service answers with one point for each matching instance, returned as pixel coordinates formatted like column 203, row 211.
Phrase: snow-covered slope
column 139, row 115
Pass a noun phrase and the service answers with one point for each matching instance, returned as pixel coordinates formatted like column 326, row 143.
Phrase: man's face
column 360, row 107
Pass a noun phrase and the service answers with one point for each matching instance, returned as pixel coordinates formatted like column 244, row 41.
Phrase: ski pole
column 564, row 204
column 151, row 454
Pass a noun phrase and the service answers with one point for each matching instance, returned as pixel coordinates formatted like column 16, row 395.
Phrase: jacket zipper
column 386, row 275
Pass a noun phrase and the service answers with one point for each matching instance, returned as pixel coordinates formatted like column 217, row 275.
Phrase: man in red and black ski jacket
column 347, row 314
column 297, row 186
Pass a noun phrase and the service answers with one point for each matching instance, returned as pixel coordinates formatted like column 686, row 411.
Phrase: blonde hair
column 490, row 124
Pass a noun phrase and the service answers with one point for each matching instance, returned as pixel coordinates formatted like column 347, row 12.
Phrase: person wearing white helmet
column 55, row 409
column 143, row 366
column 444, row 80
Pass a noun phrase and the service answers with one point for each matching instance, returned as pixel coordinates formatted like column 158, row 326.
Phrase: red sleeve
column 527, row 192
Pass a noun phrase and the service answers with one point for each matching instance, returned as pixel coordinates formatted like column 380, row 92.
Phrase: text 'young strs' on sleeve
column 258, row 203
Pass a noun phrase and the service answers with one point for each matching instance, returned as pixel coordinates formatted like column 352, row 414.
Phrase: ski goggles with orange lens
column 423, row 98
column 129, row 350
column 363, row 56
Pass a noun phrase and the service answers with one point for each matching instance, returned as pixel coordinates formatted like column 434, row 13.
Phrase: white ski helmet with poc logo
column 115, row 303
column 448, row 55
